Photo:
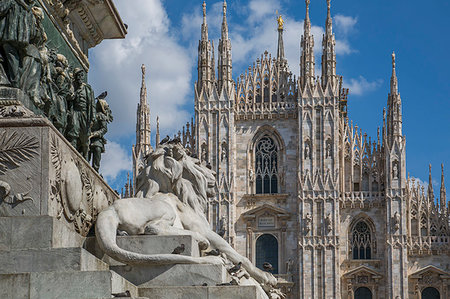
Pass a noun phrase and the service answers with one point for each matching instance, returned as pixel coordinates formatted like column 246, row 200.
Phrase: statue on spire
column 280, row 22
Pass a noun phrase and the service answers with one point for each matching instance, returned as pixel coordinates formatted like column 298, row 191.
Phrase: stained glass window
column 361, row 241
column 266, row 166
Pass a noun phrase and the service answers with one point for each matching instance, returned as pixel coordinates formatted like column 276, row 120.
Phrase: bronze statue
column 21, row 37
column 81, row 114
column 103, row 116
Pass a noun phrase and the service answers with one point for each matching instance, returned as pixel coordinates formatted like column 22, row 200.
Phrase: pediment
column 428, row 269
column 363, row 270
column 267, row 209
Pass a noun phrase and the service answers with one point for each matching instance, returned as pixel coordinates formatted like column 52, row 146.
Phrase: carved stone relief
column 16, row 148
column 72, row 189
column 307, row 223
column 12, row 199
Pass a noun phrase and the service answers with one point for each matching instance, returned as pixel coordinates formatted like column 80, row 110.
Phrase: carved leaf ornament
column 15, row 149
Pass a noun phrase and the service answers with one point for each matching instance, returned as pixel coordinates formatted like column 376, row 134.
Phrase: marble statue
column 172, row 192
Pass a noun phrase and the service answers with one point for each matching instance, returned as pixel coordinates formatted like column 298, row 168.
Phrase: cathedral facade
column 300, row 187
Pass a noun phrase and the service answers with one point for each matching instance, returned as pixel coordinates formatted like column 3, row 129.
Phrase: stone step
column 145, row 244
column 200, row 292
column 36, row 232
column 67, row 285
column 173, row 275
column 49, row 260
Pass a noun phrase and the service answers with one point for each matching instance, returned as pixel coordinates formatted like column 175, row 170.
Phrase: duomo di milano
column 302, row 188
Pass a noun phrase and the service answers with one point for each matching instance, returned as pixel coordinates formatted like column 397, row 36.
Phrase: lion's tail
column 106, row 228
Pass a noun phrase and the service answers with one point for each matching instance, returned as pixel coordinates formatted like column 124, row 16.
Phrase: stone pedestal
column 175, row 281
column 42, row 174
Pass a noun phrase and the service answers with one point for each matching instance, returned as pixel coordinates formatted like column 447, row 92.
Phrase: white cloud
column 116, row 67
column 345, row 24
column 115, row 160
column 260, row 9
column 360, row 86
column 343, row 47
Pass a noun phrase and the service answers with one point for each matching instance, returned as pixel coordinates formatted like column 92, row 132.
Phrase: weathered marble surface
column 44, row 175
column 36, row 232
column 200, row 292
column 49, row 260
column 68, row 285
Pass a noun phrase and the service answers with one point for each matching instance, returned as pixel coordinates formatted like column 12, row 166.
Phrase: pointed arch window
column 362, row 241
column 266, row 166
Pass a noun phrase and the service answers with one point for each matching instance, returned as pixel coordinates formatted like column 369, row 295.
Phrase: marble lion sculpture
column 172, row 194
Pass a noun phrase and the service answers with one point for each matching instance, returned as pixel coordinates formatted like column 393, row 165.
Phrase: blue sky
column 164, row 35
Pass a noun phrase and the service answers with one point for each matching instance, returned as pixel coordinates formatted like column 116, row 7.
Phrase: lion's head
column 171, row 170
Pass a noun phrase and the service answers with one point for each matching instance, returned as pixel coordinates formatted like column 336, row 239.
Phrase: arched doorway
column 267, row 251
column 430, row 293
column 363, row 293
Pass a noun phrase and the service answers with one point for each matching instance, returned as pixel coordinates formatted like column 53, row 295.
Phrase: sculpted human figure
column 21, row 36
column 16, row 21
column 58, row 88
column 307, row 150
column 81, row 114
column 395, row 170
column 103, row 116
column 162, row 209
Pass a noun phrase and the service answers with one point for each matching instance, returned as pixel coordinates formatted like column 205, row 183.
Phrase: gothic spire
column 307, row 61
column 143, row 97
column 307, row 22
column 394, row 82
column 430, row 186
column 328, row 51
column 143, row 119
column 224, row 22
column 394, row 112
column 443, row 197
column 157, row 131
column 329, row 22
column 204, row 24
column 204, row 68
column 280, row 50
column 224, row 65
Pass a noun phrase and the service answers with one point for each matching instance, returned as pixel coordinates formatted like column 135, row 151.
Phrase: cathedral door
column 363, row 293
column 267, row 251
column 430, row 293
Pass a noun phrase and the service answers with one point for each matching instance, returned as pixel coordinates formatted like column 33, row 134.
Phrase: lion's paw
column 269, row 279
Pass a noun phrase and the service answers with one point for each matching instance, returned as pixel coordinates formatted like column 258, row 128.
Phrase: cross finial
column 224, row 8
column 393, row 60
column 204, row 9
column 143, row 69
